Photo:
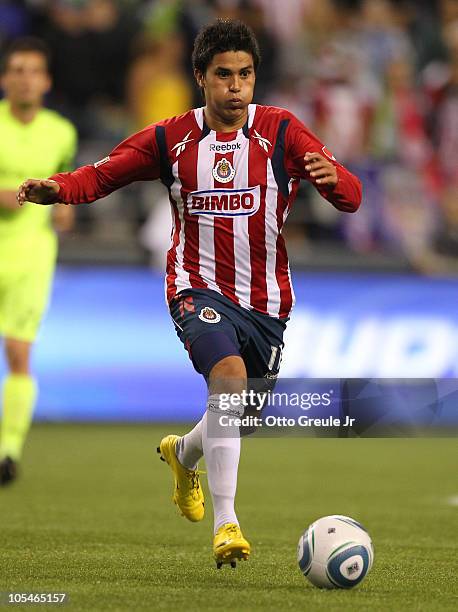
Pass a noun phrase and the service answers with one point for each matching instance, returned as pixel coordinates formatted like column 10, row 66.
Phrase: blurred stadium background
column 377, row 80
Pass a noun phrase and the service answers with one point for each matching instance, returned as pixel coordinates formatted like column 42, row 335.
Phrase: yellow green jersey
column 28, row 244
column 37, row 149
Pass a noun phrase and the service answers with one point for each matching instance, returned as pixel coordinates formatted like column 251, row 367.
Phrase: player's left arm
column 307, row 158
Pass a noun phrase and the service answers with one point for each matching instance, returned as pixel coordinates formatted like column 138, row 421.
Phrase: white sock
column 221, row 446
column 189, row 448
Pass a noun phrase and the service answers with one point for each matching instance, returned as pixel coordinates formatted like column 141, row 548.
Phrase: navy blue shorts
column 255, row 337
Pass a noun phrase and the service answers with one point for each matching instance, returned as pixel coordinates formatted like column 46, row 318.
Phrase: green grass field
column 92, row 516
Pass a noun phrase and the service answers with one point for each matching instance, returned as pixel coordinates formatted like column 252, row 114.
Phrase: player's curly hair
column 221, row 36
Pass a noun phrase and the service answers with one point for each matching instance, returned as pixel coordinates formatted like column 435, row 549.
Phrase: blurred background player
column 33, row 141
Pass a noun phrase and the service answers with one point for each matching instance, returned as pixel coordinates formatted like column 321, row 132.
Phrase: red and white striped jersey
column 230, row 195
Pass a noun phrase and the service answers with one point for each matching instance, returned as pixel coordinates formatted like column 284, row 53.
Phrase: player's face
column 26, row 79
column 228, row 84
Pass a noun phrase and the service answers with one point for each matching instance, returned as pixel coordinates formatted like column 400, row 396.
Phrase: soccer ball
column 335, row 552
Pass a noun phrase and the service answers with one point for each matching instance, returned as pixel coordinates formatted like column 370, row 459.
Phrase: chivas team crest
column 209, row 315
column 224, row 171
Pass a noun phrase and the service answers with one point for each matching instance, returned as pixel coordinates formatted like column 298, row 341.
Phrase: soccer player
column 232, row 169
column 34, row 141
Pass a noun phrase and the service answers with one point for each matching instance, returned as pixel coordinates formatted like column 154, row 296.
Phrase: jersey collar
column 205, row 130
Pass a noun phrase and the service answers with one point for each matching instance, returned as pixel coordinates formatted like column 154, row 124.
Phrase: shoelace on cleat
column 233, row 530
column 194, row 481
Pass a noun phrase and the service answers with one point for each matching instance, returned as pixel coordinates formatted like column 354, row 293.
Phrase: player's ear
column 48, row 85
column 200, row 78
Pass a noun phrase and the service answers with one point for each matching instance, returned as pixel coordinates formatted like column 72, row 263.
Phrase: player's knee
column 17, row 356
column 232, row 366
column 228, row 375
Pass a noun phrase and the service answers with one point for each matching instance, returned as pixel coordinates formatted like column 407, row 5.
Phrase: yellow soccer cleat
column 188, row 494
column 230, row 545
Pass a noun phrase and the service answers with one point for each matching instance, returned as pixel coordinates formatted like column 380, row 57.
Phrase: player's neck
column 24, row 114
column 221, row 124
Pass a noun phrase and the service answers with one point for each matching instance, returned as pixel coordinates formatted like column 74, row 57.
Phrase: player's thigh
column 25, row 299
column 206, row 328
column 262, row 357
column 263, row 351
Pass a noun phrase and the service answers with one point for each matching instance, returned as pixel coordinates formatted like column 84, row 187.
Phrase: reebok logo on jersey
column 226, row 146
column 224, row 202
column 263, row 142
column 180, row 146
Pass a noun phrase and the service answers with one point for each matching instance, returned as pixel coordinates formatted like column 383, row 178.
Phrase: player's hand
column 39, row 191
column 322, row 171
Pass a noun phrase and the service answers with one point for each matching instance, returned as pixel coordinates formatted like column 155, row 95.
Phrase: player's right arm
column 135, row 159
